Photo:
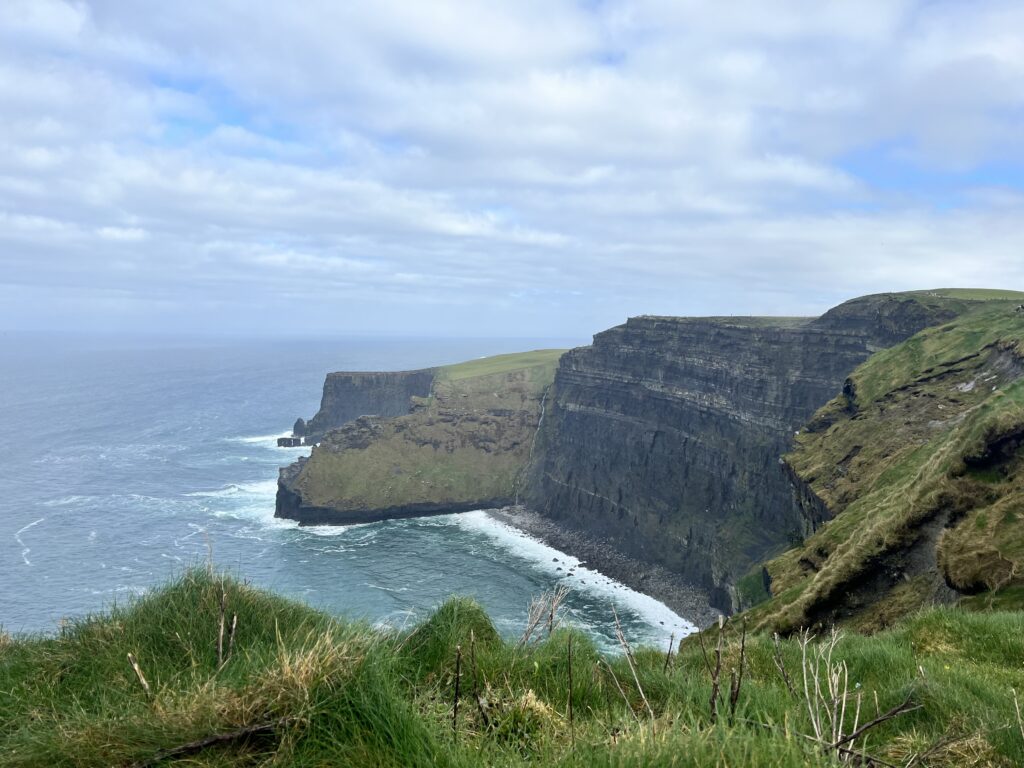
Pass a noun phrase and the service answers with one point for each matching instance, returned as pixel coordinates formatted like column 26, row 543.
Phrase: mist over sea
column 126, row 461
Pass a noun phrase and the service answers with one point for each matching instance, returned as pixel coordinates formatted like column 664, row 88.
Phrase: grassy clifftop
column 920, row 462
column 466, row 443
column 293, row 687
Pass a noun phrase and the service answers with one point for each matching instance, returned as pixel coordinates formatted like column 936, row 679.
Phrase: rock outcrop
column 349, row 395
column 665, row 435
column 463, row 447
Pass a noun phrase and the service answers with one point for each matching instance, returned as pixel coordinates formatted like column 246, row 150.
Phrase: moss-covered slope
column 462, row 447
column 920, row 463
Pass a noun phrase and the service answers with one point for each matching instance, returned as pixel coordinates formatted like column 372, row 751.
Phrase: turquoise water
column 126, row 462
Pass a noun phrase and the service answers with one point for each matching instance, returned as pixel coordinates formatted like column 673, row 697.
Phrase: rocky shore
column 688, row 601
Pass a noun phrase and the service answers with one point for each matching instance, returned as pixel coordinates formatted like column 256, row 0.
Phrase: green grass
column 910, row 447
column 974, row 294
column 468, row 442
column 342, row 694
column 498, row 364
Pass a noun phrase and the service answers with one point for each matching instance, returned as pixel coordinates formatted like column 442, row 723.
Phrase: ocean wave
column 568, row 571
column 264, row 488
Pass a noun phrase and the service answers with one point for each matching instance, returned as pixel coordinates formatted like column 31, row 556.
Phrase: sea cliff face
column 349, row 395
column 665, row 435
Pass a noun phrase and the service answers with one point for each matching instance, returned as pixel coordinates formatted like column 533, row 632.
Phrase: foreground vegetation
column 212, row 672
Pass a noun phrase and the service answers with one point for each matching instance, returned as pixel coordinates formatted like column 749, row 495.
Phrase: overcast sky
column 499, row 168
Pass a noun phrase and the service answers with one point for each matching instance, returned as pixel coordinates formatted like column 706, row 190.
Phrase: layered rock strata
column 665, row 435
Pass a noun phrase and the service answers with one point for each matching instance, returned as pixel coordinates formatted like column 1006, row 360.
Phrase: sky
column 521, row 168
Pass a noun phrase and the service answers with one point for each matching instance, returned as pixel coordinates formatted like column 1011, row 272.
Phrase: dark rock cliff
column 665, row 435
column 349, row 395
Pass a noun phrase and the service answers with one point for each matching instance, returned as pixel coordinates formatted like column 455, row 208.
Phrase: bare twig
column 138, row 673
column 455, row 701
column 543, row 610
column 480, row 705
column 863, row 757
column 737, row 679
column 668, row 656
column 631, row 662
column 209, row 741
column 704, row 651
column 780, row 665
column 713, row 701
column 899, row 709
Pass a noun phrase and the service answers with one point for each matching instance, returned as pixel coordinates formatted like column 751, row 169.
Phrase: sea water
column 126, row 461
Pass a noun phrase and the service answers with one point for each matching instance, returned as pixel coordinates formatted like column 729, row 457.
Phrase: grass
column 498, row 364
column 468, row 442
column 974, row 294
column 331, row 692
column 910, row 464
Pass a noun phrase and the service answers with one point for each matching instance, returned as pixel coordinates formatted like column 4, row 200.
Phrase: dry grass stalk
column 543, row 610
column 220, row 630
column 572, row 729
column 668, row 656
column 631, row 662
column 231, row 636
column 736, row 683
column 717, row 671
column 780, row 665
column 458, row 678
column 826, row 695
column 1016, row 707
column 625, row 698
column 138, row 673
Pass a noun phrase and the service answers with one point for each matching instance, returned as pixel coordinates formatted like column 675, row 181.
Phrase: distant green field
column 486, row 366
column 975, row 294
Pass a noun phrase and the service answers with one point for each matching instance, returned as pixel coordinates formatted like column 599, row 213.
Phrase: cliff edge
column 919, row 463
column 462, row 446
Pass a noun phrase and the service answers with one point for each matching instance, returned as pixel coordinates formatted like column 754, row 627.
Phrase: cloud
column 500, row 167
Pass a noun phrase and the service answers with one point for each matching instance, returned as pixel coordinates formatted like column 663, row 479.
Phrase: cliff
column 463, row 446
column 919, row 462
column 665, row 435
column 349, row 395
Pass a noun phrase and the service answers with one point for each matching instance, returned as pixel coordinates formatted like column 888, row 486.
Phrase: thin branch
column 220, row 738
column 899, row 709
column 455, row 702
column 668, row 656
column 780, row 665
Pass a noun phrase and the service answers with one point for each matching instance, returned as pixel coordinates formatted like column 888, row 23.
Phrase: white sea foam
column 575, row 576
column 64, row 501
column 263, row 488
column 24, row 548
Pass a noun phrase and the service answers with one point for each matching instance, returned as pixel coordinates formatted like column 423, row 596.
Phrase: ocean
column 128, row 460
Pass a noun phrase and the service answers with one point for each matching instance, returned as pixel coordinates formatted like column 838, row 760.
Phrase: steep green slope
column 463, row 446
column 293, row 687
column 919, row 461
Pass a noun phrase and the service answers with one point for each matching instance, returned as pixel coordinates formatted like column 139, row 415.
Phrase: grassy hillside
column 468, row 441
column 297, row 688
column 920, row 461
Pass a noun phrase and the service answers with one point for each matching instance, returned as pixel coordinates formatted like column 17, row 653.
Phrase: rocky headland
column 657, row 450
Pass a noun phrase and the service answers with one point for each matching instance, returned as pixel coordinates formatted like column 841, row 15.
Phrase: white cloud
column 554, row 164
